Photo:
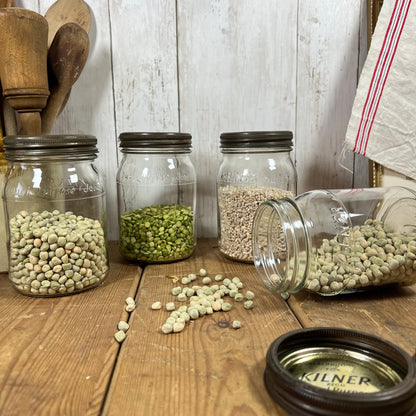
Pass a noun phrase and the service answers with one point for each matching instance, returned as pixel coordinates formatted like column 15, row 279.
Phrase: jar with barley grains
column 256, row 166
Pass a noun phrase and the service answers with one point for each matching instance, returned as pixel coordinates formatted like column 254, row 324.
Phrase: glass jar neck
column 254, row 150
column 157, row 151
column 55, row 159
column 281, row 245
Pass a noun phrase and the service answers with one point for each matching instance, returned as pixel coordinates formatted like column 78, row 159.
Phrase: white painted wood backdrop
column 210, row 66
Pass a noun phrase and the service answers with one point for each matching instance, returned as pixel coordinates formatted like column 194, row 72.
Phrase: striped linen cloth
column 383, row 119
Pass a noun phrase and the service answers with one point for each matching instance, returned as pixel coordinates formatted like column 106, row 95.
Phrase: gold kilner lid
column 334, row 371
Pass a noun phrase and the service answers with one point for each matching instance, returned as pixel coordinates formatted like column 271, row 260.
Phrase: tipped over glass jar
column 336, row 241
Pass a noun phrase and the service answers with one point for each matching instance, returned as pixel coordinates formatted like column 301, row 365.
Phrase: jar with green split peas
column 156, row 188
column 55, row 209
column 256, row 166
column 336, row 241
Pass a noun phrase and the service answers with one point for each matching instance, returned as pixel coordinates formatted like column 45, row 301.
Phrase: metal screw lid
column 160, row 141
column 19, row 148
column 328, row 371
column 257, row 139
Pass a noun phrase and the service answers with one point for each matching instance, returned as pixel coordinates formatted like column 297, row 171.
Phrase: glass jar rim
column 155, row 141
column 21, row 148
column 257, row 139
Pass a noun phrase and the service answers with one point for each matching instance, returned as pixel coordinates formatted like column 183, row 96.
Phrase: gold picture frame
column 373, row 10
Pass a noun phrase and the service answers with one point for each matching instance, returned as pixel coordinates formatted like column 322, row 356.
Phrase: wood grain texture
column 211, row 66
column 389, row 313
column 231, row 78
column 209, row 368
column 57, row 354
column 327, row 81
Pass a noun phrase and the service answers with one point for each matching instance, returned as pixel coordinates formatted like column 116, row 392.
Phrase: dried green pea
column 238, row 297
column 178, row 326
column 176, row 290
column 249, row 295
column 206, row 281
column 236, row 324
column 193, row 313
column 226, row 306
column 167, row 328
column 123, row 326
column 120, row 336
column 170, row 306
column 248, row 304
column 182, row 297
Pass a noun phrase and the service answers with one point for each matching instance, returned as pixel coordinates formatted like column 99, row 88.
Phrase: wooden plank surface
column 209, row 368
column 57, row 354
column 389, row 313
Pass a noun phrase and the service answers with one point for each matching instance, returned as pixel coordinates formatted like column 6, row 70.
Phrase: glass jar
column 156, row 188
column 256, row 166
column 336, row 241
column 4, row 261
column 55, row 210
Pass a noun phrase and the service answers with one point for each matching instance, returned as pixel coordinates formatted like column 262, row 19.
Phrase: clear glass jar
column 156, row 187
column 256, row 166
column 4, row 261
column 336, row 241
column 55, row 209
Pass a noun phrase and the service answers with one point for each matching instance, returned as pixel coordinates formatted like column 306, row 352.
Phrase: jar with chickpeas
column 55, row 215
column 336, row 241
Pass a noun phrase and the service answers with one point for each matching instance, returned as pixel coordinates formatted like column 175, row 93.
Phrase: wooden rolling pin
column 23, row 64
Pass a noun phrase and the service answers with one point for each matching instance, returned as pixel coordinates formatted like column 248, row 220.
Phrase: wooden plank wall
column 211, row 66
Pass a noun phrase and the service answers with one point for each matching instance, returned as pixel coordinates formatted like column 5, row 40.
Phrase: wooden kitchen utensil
column 66, row 11
column 23, row 64
column 66, row 59
column 6, row 3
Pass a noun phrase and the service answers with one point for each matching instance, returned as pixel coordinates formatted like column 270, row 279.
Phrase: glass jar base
column 146, row 260
column 247, row 261
column 67, row 292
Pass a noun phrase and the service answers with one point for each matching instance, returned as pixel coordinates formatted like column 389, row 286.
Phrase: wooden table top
column 58, row 356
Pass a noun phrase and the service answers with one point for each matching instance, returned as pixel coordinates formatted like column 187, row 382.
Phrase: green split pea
column 157, row 233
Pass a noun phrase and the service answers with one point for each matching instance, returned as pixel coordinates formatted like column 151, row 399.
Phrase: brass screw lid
column 335, row 371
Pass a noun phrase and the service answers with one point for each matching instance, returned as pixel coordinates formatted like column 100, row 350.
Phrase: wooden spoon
column 6, row 3
column 66, row 11
column 23, row 64
column 66, row 59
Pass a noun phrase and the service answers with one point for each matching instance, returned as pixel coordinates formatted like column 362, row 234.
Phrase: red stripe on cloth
column 380, row 74
column 384, row 73
column 365, row 108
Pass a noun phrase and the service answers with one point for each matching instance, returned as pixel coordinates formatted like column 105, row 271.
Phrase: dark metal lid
column 257, row 139
column 161, row 141
column 19, row 148
column 335, row 371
